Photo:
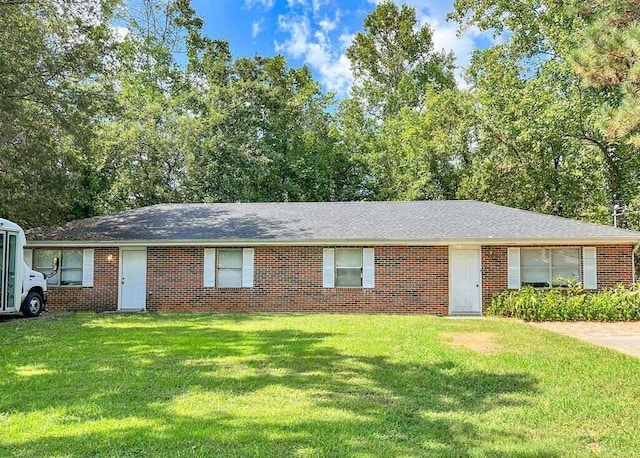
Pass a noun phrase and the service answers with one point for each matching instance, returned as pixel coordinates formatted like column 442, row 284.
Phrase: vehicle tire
column 33, row 304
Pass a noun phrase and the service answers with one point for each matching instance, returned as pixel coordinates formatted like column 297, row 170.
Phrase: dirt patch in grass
column 480, row 342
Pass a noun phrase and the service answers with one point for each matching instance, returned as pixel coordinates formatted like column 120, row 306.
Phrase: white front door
column 465, row 291
column 133, row 279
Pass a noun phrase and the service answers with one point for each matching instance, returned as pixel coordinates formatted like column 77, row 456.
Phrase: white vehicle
column 22, row 290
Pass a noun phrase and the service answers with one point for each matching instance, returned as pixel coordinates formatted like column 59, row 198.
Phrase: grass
column 309, row 385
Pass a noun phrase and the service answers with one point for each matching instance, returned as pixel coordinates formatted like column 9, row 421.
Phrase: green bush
column 568, row 304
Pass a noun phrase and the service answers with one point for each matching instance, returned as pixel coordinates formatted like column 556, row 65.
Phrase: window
column 229, row 268
column 70, row 273
column 542, row 267
column 349, row 267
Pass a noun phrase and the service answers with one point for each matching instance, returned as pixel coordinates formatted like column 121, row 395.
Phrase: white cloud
column 327, row 24
column 317, row 4
column 267, row 4
column 293, row 3
column 445, row 35
column 299, row 32
column 317, row 51
column 256, row 28
column 346, row 39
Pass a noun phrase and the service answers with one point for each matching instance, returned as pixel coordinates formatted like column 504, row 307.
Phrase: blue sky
column 317, row 32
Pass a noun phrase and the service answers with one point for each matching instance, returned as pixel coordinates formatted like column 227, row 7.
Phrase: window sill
column 229, row 288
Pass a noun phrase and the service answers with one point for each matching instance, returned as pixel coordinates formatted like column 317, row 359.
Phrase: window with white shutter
column 348, row 268
column 228, row 267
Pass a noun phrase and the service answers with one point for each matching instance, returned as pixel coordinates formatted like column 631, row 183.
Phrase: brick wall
column 614, row 263
column 102, row 296
column 289, row 279
column 494, row 272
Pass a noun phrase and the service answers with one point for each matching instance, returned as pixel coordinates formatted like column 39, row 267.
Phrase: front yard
column 309, row 385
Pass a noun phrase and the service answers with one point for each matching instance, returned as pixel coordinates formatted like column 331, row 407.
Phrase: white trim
column 328, row 268
column 513, row 268
column 247, row 267
column 87, row 267
column 479, row 250
column 120, row 262
column 341, row 242
column 209, row 272
column 368, row 268
column 589, row 268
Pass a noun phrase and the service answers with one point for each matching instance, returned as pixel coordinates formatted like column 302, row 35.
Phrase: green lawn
column 309, row 385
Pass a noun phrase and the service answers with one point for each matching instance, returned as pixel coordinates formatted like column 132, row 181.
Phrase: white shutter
column 328, row 273
column 28, row 257
column 368, row 268
column 247, row 267
column 589, row 268
column 209, row 267
column 87, row 267
column 513, row 263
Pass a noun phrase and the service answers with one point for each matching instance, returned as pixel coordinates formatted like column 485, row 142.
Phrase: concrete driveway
column 621, row 336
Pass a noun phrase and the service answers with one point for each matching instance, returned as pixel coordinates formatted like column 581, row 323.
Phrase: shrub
column 568, row 304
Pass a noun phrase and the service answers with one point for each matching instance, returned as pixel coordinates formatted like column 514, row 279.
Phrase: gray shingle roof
column 423, row 221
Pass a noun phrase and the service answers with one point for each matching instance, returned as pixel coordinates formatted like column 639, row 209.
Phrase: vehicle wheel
column 32, row 305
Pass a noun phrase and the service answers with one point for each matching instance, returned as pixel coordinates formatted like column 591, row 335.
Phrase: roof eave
column 512, row 241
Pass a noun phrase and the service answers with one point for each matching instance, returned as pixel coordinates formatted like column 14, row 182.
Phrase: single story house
column 434, row 257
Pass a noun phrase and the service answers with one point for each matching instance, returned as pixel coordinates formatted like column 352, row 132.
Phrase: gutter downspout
column 633, row 262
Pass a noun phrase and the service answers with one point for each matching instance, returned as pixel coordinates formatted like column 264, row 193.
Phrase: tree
column 51, row 54
column 266, row 135
column 538, row 134
column 387, row 128
column 140, row 147
column 393, row 61
column 609, row 58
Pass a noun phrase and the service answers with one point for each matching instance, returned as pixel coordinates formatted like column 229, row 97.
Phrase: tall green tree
column 399, row 81
column 266, row 135
column 539, row 140
column 51, row 56
column 140, row 147
column 393, row 61
column 608, row 58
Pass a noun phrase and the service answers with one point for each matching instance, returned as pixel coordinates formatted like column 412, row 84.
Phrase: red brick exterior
column 410, row 280
column 289, row 279
column 494, row 272
column 614, row 264
column 101, row 297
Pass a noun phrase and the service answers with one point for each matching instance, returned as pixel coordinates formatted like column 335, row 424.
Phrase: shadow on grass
column 195, row 387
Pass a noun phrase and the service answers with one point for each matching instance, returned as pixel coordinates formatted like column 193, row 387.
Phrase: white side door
column 465, row 290
column 133, row 279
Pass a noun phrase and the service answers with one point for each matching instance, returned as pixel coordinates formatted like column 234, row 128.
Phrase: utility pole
column 618, row 210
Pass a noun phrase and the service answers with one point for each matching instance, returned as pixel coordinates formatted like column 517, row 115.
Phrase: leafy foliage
column 394, row 62
column 98, row 115
column 51, row 55
column 536, row 119
column 608, row 59
column 397, row 119
column 571, row 304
